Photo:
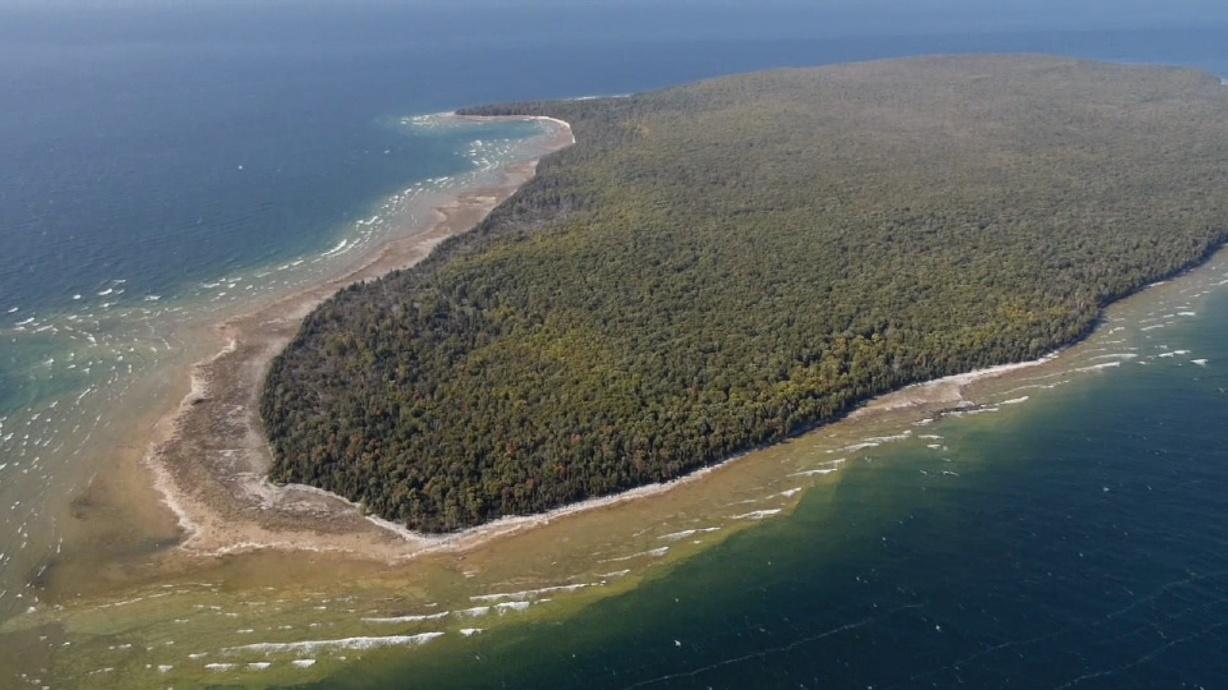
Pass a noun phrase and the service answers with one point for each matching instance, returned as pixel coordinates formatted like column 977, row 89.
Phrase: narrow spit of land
column 210, row 459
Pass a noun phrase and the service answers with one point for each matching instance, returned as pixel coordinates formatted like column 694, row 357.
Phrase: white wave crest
column 348, row 643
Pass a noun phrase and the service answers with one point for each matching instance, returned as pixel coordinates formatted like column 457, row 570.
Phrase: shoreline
column 191, row 567
column 207, row 457
column 297, row 517
column 601, row 549
column 935, row 396
column 226, row 505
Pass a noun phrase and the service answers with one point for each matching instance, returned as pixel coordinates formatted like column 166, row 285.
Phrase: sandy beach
column 208, row 457
column 234, row 547
column 289, row 560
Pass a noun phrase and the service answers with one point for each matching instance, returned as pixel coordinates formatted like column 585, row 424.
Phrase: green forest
column 727, row 263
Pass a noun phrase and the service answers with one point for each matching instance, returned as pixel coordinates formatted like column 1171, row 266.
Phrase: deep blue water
column 169, row 149
column 120, row 149
column 1076, row 541
column 1083, row 546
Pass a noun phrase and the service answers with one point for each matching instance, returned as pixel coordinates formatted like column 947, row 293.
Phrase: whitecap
column 1095, row 367
column 506, row 606
column 529, row 593
column 756, row 514
column 350, row 643
column 827, row 468
column 810, row 473
column 656, row 553
column 337, row 249
column 859, row 446
column 675, row 536
column 412, row 618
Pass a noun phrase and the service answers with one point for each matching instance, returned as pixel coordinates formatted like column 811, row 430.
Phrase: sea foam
column 348, row 643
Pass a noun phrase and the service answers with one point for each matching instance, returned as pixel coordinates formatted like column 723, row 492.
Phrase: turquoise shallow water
column 77, row 370
column 1078, row 542
column 1075, row 539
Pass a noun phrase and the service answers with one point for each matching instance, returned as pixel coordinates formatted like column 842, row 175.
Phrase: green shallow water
column 1022, row 571
column 78, row 380
column 1074, row 540
column 1062, row 530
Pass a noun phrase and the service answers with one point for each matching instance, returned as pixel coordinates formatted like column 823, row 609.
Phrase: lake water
column 1074, row 539
column 161, row 172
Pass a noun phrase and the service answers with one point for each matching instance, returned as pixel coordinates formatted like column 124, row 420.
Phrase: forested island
column 727, row 263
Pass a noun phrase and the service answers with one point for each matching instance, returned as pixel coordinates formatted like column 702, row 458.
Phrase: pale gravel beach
column 209, row 458
column 226, row 505
column 304, row 518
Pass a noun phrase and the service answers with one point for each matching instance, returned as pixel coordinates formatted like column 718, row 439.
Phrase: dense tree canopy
column 723, row 264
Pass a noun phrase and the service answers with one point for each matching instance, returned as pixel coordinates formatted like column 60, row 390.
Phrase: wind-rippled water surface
column 153, row 183
column 1067, row 532
column 78, row 368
